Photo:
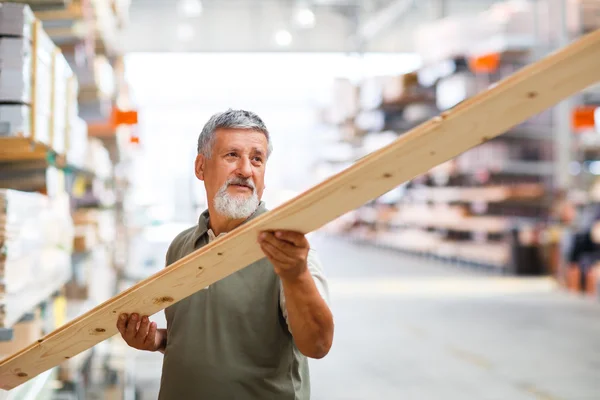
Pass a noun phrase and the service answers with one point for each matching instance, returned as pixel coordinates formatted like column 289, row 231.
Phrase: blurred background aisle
column 478, row 279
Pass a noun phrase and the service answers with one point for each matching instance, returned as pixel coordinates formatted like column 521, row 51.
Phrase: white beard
column 236, row 207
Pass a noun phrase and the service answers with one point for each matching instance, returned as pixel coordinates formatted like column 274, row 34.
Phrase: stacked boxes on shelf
column 16, row 61
column 26, row 71
column 36, row 236
column 38, row 89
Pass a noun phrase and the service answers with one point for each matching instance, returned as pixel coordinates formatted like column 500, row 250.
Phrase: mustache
column 242, row 182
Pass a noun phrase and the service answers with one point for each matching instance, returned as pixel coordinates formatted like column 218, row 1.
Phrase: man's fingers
column 131, row 326
column 143, row 331
column 151, row 337
column 122, row 323
column 296, row 238
column 274, row 253
column 284, row 246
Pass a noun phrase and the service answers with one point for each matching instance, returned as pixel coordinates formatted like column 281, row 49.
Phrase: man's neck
column 221, row 224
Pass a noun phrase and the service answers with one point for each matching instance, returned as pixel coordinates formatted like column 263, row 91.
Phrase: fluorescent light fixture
column 283, row 38
column 189, row 8
column 305, row 18
column 185, row 32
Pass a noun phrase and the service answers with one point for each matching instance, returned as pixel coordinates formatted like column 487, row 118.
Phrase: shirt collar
column 203, row 229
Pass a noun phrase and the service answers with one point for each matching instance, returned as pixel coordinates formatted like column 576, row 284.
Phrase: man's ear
column 199, row 166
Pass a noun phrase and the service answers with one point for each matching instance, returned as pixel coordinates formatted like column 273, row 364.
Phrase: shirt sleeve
column 315, row 267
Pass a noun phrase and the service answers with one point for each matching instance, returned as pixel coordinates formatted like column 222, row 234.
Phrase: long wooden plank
column 489, row 114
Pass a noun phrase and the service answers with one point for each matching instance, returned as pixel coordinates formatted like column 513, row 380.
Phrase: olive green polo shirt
column 231, row 340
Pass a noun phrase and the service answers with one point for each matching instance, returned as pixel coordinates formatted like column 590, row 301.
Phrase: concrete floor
column 409, row 328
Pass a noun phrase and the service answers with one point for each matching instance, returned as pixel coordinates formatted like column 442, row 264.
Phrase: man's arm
column 309, row 317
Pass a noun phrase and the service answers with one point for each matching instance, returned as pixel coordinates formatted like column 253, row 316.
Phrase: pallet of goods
column 36, row 235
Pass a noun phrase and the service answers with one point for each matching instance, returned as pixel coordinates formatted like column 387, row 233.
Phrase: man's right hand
column 140, row 333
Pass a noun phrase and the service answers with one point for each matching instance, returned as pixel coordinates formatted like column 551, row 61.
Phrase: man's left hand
column 287, row 251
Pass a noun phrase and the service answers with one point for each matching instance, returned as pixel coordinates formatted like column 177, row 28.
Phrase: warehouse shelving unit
column 58, row 154
column 491, row 207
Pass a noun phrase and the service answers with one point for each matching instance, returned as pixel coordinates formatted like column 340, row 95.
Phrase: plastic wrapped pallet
column 77, row 142
column 15, row 70
column 43, row 86
column 16, row 20
column 344, row 104
column 62, row 73
column 371, row 92
column 36, row 235
column 98, row 159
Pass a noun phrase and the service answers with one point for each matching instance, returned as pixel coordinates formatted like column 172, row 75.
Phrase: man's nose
column 245, row 168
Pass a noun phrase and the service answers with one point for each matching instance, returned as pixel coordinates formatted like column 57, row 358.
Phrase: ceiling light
column 594, row 167
column 185, row 32
column 283, row 38
column 189, row 8
column 305, row 18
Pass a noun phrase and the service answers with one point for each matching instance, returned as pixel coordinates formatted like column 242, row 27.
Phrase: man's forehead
column 242, row 139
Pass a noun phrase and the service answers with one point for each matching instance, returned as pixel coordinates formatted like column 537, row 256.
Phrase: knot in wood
column 163, row 299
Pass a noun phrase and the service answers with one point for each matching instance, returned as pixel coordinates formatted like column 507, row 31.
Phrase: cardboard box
column 15, row 120
column 15, row 70
column 24, row 333
column 395, row 88
column 16, row 20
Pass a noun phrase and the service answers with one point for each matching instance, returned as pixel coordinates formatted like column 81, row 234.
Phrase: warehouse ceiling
column 283, row 25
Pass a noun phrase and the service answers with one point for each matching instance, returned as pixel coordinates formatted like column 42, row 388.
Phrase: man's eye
column 258, row 159
column 231, row 154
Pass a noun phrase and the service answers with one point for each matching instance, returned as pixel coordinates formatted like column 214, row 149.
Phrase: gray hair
column 236, row 119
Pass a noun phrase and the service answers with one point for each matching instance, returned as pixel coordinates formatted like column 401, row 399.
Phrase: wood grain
column 489, row 114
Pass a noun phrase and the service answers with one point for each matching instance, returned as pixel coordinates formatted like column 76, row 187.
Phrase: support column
column 561, row 113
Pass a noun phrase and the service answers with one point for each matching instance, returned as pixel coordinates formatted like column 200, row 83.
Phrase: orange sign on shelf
column 108, row 127
column 120, row 117
column 485, row 63
column 584, row 118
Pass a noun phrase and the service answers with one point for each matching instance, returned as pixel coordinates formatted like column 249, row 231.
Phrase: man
column 247, row 336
